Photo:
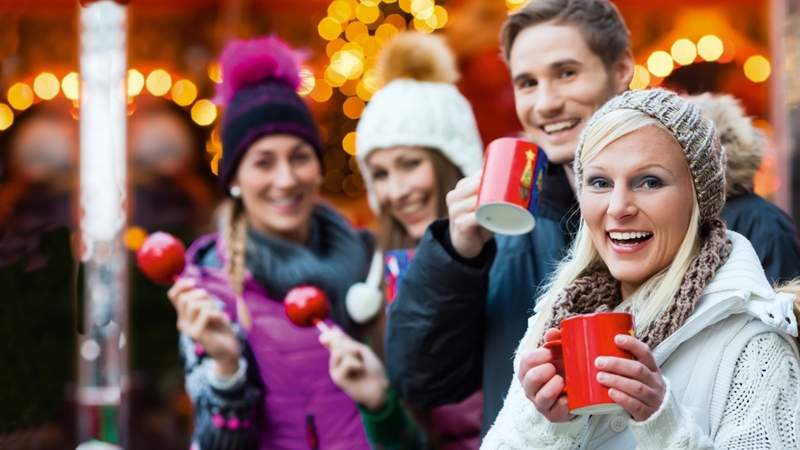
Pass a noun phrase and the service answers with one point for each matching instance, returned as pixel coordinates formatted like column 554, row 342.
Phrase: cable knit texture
column 599, row 291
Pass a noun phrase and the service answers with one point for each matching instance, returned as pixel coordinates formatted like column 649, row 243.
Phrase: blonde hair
column 654, row 295
column 233, row 224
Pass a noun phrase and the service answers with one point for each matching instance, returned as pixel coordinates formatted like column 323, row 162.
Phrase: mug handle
column 558, row 359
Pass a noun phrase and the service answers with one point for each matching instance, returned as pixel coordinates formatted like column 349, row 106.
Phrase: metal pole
column 102, row 348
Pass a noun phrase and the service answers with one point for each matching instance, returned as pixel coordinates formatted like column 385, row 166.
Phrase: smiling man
column 464, row 302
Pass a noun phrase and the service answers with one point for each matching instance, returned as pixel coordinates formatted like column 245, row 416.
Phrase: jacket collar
column 739, row 287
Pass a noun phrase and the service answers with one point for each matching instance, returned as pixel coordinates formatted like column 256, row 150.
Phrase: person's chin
column 560, row 153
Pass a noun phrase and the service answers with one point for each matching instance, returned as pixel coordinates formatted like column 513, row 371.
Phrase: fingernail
column 601, row 377
column 600, row 362
column 620, row 338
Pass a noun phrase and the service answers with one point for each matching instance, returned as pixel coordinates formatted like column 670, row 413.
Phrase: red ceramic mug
column 583, row 339
column 510, row 186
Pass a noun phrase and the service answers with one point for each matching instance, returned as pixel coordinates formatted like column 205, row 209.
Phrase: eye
column 598, row 183
column 650, row 182
column 568, row 73
column 411, row 164
column 264, row 163
column 526, row 83
column 379, row 174
column 300, row 157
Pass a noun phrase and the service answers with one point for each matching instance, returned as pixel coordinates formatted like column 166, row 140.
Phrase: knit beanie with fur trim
column 419, row 107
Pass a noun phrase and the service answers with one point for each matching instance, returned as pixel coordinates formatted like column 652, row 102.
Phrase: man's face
column 559, row 83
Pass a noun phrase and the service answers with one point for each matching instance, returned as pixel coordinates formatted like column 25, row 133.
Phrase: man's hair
column 599, row 21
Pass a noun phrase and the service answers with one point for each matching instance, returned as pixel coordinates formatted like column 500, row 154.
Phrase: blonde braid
column 235, row 236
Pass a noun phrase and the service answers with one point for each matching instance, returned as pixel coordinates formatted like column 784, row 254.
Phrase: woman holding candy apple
column 257, row 380
column 712, row 362
column 416, row 138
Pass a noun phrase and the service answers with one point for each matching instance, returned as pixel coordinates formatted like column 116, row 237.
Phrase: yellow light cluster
column 684, row 52
column 356, row 30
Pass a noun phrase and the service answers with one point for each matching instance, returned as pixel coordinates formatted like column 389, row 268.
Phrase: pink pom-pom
column 247, row 62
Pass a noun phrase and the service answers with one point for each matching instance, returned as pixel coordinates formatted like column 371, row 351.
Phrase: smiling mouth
column 629, row 238
column 557, row 127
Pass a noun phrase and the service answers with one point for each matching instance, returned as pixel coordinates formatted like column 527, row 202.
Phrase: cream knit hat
column 695, row 134
column 420, row 106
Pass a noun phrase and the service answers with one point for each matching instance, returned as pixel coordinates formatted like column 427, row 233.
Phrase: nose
column 549, row 102
column 284, row 176
column 621, row 204
column 397, row 188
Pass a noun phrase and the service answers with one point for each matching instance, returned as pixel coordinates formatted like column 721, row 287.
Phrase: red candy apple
column 306, row 306
column 161, row 258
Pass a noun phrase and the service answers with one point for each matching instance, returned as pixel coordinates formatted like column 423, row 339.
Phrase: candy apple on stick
column 306, row 306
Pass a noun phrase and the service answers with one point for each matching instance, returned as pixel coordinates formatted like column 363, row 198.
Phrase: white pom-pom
column 363, row 302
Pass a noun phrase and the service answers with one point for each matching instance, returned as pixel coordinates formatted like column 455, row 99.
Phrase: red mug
column 510, row 186
column 583, row 338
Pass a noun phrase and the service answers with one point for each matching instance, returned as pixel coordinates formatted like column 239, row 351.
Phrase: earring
column 236, row 192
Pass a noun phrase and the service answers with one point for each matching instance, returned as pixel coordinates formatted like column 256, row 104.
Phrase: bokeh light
column 341, row 10
column 70, row 85
column 184, row 92
column 353, row 107
column 307, row 82
column 46, row 86
column 349, row 143
column 660, row 63
column 757, row 68
column 158, row 82
column 322, row 92
column 641, row 77
column 329, row 28
column 20, row 96
column 684, row 52
column 366, row 13
column 204, row 112
column 215, row 72
column 134, row 238
column 6, row 116
column 135, row 82
column 710, row 47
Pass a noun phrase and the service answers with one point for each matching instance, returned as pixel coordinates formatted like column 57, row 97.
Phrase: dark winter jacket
column 455, row 323
column 771, row 232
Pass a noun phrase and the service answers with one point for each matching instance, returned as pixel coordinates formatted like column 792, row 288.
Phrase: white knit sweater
column 761, row 409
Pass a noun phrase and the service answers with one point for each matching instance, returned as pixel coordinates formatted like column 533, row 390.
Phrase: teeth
column 556, row 127
column 617, row 236
column 411, row 208
column 285, row 201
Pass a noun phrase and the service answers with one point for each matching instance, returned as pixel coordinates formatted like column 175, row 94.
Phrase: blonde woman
column 715, row 365
column 255, row 379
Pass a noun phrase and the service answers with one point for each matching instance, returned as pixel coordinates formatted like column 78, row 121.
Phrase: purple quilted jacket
column 299, row 406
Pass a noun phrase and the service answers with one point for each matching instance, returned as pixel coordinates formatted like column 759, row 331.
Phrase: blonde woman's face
column 404, row 182
column 279, row 177
column 637, row 199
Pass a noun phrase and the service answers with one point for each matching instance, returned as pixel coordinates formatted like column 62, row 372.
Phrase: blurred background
column 748, row 48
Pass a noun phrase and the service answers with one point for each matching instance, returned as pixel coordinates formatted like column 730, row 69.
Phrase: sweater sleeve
column 225, row 410
column 520, row 426
column 391, row 428
column 434, row 338
column 761, row 411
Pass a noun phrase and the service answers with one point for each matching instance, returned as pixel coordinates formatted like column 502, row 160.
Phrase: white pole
column 102, row 348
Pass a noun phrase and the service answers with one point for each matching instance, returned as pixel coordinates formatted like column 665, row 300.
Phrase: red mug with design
column 511, row 182
column 583, row 338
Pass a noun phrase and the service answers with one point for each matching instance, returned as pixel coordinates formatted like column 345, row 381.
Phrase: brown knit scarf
column 598, row 291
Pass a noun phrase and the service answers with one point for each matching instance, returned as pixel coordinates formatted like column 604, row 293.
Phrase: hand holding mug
column 636, row 385
column 542, row 384
column 356, row 369
column 466, row 234
column 200, row 318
